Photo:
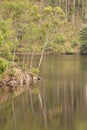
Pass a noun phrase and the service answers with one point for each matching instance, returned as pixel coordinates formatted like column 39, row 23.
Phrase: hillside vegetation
column 40, row 26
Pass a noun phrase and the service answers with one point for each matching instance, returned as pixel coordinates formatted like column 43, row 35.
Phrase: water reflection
column 58, row 102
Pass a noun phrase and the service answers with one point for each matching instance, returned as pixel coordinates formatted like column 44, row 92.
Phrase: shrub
column 3, row 65
column 83, row 39
column 74, row 43
column 35, row 70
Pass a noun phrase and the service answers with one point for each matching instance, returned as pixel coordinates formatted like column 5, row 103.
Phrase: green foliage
column 78, row 8
column 53, row 16
column 74, row 43
column 48, row 9
column 60, row 39
column 6, row 53
column 6, row 39
column 35, row 70
column 29, row 25
column 83, row 39
column 24, row 25
column 3, row 65
column 68, row 49
column 1, row 38
column 35, row 91
column 3, row 26
column 59, row 11
column 12, row 72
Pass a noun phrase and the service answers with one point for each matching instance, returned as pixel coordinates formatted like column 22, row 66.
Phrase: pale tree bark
column 27, row 59
column 66, row 8
column 24, row 58
column 59, row 3
column 42, row 54
column 41, row 5
column 78, row 5
column 73, row 16
column 32, row 57
column 14, row 52
column 86, row 15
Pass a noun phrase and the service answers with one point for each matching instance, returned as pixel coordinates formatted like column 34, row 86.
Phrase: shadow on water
column 59, row 101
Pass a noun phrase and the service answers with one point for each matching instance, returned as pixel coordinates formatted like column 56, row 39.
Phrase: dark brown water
column 58, row 102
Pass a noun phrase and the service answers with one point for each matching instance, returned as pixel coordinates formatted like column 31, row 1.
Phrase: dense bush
column 83, row 39
column 3, row 65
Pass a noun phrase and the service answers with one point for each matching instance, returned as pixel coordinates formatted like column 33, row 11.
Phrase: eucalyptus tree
column 32, row 27
column 52, row 19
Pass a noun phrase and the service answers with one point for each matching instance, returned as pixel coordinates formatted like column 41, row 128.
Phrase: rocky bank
column 17, row 81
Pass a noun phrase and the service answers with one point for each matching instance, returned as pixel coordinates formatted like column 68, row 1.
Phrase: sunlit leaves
column 58, row 10
column 6, row 39
column 3, row 65
column 3, row 26
column 25, row 22
column 48, row 9
column 52, row 19
column 1, row 38
column 35, row 8
column 53, row 16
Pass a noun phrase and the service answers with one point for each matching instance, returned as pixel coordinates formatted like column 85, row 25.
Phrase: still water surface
column 58, row 102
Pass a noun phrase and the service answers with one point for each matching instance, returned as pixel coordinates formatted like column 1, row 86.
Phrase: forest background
column 41, row 27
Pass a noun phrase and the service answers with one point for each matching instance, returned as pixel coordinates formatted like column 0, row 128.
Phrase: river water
column 57, row 102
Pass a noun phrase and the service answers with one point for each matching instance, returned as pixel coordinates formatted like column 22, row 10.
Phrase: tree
column 83, row 39
column 7, row 39
column 3, row 65
column 52, row 20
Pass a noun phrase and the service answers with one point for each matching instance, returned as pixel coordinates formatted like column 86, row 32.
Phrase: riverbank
column 15, row 81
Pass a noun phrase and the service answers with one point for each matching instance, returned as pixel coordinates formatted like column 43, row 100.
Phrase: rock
column 18, row 79
column 1, row 84
column 39, row 78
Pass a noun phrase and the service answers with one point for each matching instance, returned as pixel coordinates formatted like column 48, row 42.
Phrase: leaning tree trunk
column 42, row 54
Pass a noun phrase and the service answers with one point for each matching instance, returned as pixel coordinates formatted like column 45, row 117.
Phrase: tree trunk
column 24, row 58
column 41, row 5
column 73, row 16
column 14, row 53
column 85, row 15
column 66, row 8
column 32, row 56
column 42, row 54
